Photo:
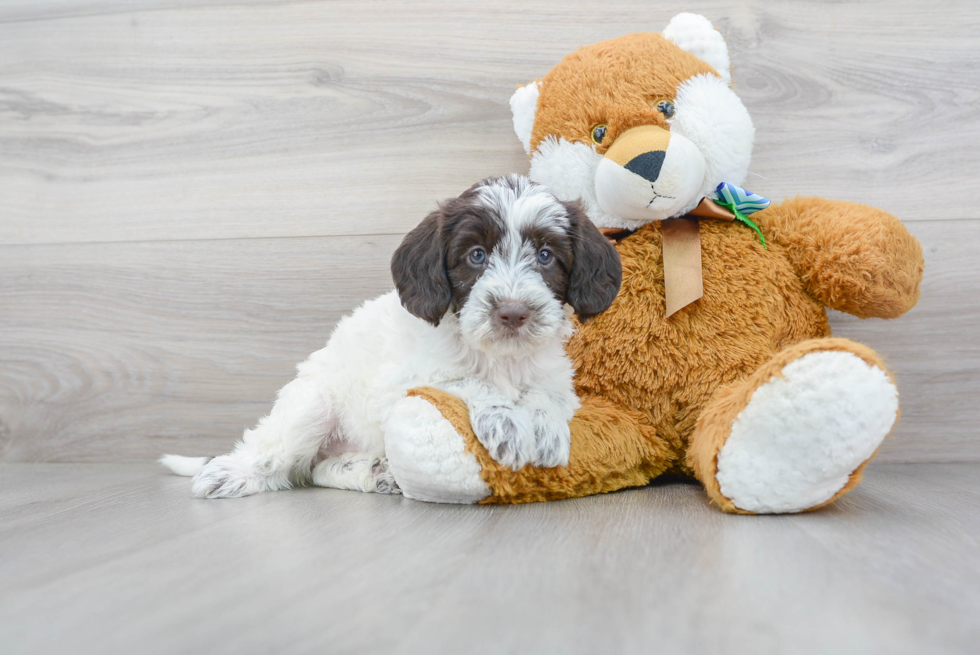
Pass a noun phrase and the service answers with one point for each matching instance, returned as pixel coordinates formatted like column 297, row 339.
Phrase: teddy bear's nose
column 647, row 165
column 648, row 173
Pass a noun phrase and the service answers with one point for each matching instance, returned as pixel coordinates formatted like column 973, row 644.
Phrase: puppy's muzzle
column 649, row 174
column 513, row 315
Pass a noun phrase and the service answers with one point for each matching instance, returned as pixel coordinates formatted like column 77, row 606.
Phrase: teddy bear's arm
column 852, row 257
column 612, row 448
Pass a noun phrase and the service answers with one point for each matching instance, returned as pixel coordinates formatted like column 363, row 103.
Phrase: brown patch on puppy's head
column 506, row 252
column 431, row 267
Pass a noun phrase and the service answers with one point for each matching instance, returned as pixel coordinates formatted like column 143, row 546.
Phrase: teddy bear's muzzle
column 649, row 174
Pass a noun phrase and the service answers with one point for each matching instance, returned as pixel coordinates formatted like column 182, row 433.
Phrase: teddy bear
column 716, row 360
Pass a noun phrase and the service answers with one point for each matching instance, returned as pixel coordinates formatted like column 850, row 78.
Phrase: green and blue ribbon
column 741, row 202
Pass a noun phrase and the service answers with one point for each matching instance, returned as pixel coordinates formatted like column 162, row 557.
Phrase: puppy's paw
column 553, row 441
column 384, row 480
column 367, row 472
column 506, row 433
column 226, row 477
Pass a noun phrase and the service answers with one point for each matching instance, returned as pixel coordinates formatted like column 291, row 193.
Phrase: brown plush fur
column 660, row 394
column 853, row 258
column 612, row 449
column 617, row 82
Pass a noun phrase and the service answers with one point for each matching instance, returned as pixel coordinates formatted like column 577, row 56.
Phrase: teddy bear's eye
column 666, row 107
column 598, row 133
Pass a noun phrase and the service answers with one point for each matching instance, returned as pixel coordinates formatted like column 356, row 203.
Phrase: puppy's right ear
column 419, row 270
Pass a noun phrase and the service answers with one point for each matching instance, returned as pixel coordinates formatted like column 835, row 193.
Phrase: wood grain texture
column 124, row 351
column 177, row 119
column 119, row 559
column 192, row 192
column 116, row 351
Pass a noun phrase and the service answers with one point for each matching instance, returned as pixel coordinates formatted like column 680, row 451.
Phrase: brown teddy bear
column 716, row 360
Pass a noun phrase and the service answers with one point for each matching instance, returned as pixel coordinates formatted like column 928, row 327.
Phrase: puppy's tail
column 180, row 465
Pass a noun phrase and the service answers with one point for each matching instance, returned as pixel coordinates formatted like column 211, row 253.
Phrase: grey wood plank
column 33, row 490
column 893, row 568
column 179, row 120
column 121, row 352
column 337, row 580
column 116, row 351
column 95, row 505
column 748, row 586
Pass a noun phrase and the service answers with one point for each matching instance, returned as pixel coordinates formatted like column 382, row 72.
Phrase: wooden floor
column 116, row 558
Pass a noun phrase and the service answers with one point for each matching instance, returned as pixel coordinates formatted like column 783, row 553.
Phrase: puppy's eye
column 478, row 256
column 599, row 133
column 666, row 107
column 545, row 257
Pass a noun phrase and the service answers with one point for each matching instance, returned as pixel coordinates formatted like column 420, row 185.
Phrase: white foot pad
column 801, row 436
column 428, row 457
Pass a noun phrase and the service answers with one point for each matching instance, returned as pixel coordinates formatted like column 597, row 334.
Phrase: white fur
column 429, row 458
column 356, row 472
column 511, row 274
column 801, row 435
column 676, row 191
column 713, row 118
column 518, row 386
column 568, row 170
column 523, row 105
column 695, row 34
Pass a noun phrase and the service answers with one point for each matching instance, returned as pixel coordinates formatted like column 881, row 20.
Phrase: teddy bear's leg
column 435, row 456
column 426, row 453
column 796, row 434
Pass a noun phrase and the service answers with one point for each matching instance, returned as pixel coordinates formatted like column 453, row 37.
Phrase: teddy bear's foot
column 798, row 431
column 428, row 457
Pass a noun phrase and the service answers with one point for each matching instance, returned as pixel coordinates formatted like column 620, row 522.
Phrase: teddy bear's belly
column 754, row 305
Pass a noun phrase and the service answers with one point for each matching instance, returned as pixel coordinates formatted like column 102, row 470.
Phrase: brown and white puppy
column 486, row 286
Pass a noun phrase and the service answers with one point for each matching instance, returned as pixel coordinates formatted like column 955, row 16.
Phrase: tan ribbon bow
column 683, row 277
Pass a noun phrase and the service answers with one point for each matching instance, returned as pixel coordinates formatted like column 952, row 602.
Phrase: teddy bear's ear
column 695, row 34
column 522, row 105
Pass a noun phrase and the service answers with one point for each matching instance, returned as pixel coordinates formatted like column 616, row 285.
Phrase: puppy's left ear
column 418, row 268
column 596, row 269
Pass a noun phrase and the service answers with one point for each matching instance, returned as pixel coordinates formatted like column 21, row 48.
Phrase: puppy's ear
column 419, row 270
column 596, row 269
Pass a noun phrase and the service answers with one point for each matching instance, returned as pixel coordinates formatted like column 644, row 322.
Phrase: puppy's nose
column 513, row 314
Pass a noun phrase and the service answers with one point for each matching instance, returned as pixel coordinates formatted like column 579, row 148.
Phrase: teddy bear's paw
column 428, row 457
column 553, row 440
column 803, row 433
column 507, row 432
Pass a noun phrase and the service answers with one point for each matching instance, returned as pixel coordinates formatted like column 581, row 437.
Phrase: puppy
column 486, row 286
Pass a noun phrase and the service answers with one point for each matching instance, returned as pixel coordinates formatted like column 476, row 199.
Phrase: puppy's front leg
column 503, row 428
column 550, row 414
